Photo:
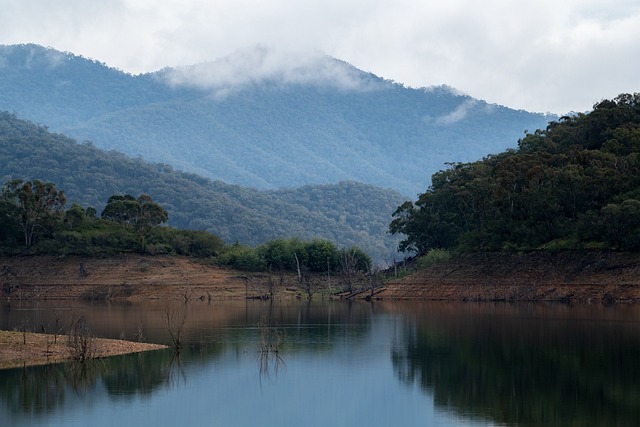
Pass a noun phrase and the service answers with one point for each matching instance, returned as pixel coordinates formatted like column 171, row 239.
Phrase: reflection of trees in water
column 175, row 318
column 126, row 320
column 320, row 326
column 45, row 389
column 308, row 327
column 25, row 393
column 519, row 374
column 270, row 359
column 139, row 373
column 176, row 374
column 82, row 375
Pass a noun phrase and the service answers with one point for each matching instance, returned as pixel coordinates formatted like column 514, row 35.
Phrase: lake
column 295, row 363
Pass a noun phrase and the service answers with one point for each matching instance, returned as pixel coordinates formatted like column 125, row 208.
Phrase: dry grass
column 25, row 349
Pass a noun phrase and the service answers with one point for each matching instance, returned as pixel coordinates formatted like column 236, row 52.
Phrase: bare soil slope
column 130, row 277
column 535, row 276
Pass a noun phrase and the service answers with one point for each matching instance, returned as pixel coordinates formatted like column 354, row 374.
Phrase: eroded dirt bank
column 535, row 276
column 131, row 277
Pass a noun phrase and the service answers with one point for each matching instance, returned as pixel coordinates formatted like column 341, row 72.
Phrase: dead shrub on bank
column 175, row 318
column 79, row 340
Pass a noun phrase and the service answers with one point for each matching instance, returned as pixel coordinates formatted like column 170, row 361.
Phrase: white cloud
column 459, row 113
column 51, row 59
column 546, row 55
column 253, row 66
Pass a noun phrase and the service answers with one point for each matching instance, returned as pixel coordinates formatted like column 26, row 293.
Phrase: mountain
column 261, row 119
column 347, row 213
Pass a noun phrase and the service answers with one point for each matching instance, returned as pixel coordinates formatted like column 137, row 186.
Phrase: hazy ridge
column 347, row 213
column 316, row 121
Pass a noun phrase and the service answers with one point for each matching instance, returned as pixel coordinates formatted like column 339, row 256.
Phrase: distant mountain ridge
column 259, row 120
column 347, row 213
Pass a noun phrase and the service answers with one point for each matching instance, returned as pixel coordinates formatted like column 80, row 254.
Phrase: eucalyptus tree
column 141, row 214
column 36, row 204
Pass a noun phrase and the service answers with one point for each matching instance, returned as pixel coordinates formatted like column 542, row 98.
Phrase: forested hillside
column 335, row 124
column 347, row 213
column 574, row 185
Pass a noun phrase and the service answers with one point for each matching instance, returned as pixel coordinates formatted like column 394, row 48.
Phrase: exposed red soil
column 534, row 276
column 130, row 277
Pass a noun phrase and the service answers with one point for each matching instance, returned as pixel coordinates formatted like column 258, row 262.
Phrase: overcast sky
column 543, row 55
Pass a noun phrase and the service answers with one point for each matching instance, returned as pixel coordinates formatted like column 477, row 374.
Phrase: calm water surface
column 337, row 364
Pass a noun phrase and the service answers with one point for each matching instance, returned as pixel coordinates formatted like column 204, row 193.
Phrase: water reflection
column 197, row 334
column 516, row 365
column 390, row 363
column 272, row 338
column 44, row 389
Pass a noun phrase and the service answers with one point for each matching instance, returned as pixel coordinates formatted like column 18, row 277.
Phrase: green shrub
column 433, row 257
column 241, row 258
column 158, row 249
column 560, row 245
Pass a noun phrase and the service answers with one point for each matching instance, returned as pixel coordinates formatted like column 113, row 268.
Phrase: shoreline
column 585, row 277
column 21, row 349
column 564, row 276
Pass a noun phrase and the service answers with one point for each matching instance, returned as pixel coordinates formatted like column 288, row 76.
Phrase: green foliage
column 278, row 254
column 122, row 209
column 185, row 242
column 10, row 230
column 321, row 256
column 346, row 213
column 573, row 185
column 126, row 222
column 78, row 231
column 36, row 204
column 141, row 213
column 433, row 257
column 355, row 258
column 75, row 216
column 290, row 255
column 622, row 224
column 241, row 258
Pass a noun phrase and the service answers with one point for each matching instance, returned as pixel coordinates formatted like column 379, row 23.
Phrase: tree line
column 347, row 213
column 33, row 220
column 575, row 185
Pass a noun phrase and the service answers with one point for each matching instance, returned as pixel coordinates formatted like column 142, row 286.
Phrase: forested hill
column 575, row 185
column 320, row 122
column 347, row 213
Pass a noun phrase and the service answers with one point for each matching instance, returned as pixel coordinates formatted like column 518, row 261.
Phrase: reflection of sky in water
column 350, row 382
column 386, row 364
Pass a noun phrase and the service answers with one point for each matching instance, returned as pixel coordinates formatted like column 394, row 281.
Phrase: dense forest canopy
column 347, row 213
column 574, row 185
